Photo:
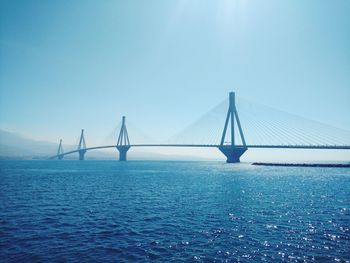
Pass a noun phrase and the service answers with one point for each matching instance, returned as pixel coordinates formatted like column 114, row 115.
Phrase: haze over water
column 169, row 67
column 172, row 211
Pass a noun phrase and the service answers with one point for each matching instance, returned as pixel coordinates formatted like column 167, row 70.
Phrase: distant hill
column 14, row 145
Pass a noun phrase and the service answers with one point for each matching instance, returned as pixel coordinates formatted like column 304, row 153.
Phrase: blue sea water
column 110, row 211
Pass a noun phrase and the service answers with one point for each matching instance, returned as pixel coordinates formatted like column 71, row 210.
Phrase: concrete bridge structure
column 231, row 150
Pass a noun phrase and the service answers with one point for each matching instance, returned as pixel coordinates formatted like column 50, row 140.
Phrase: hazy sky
column 67, row 65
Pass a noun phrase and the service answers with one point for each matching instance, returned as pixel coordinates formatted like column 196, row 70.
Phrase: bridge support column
column 123, row 152
column 232, row 153
column 60, row 151
column 82, row 154
column 231, row 150
column 123, row 143
column 82, row 146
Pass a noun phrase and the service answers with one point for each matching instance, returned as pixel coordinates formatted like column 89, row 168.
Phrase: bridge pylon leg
column 123, row 152
column 82, row 155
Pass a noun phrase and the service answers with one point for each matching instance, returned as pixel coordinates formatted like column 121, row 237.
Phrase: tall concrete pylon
column 232, row 151
column 82, row 146
column 60, row 151
column 123, row 143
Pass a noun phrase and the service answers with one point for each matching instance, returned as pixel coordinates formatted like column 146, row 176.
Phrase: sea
column 171, row 211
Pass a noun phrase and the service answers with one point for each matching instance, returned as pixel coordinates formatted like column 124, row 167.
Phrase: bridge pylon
column 232, row 151
column 123, row 143
column 60, row 151
column 82, row 146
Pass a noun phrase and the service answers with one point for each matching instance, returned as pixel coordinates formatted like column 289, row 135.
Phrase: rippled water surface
column 172, row 211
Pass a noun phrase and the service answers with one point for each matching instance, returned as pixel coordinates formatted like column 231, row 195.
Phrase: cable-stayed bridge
column 221, row 128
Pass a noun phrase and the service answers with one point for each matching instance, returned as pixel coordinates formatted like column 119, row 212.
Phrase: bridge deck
column 319, row 147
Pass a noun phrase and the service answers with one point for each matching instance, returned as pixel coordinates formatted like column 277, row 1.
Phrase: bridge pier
column 60, row 157
column 232, row 153
column 123, row 152
column 82, row 154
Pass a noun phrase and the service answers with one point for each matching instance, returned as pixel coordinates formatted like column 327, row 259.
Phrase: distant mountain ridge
column 15, row 145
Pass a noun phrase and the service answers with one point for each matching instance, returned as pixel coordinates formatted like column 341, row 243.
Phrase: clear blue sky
column 67, row 65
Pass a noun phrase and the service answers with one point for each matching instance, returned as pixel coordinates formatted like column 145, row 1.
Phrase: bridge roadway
column 319, row 147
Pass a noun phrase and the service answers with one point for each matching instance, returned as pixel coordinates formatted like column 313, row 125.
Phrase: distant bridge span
column 232, row 151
